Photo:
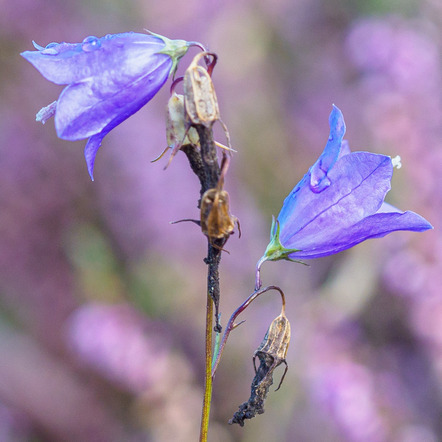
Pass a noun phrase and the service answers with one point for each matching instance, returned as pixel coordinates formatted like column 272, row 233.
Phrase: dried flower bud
column 177, row 131
column 200, row 97
column 271, row 353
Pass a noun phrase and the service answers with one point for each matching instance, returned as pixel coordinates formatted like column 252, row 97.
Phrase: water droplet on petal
column 90, row 44
column 319, row 181
column 51, row 49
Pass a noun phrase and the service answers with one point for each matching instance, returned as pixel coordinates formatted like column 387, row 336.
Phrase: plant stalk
column 205, row 415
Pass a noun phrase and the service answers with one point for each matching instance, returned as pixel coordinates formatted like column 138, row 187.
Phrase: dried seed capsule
column 178, row 132
column 216, row 220
column 277, row 339
column 271, row 353
column 200, row 97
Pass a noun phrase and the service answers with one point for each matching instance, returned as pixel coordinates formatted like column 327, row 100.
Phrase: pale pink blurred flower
column 346, row 391
column 115, row 341
column 406, row 59
column 14, row 425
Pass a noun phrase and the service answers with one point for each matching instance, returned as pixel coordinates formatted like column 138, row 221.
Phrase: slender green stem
column 205, row 415
column 213, row 292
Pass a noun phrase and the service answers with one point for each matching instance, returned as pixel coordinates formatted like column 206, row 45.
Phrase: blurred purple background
column 102, row 301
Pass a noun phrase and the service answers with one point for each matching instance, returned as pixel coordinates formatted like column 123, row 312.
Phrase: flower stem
column 204, row 163
column 205, row 415
column 231, row 324
column 213, row 293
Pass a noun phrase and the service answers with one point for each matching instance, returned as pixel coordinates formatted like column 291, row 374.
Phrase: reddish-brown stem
column 231, row 324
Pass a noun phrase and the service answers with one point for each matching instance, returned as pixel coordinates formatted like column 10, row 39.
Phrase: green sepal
column 175, row 49
column 275, row 250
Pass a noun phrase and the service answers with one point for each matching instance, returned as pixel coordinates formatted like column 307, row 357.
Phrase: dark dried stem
column 196, row 164
column 209, row 156
column 204, row 164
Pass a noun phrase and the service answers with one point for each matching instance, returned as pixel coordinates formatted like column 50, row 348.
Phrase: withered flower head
column 276, row 341
column 200, row 97
column 216, row 220
column 271, row 354
column 177, row 132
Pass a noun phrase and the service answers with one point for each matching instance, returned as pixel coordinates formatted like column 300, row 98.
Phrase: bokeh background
column 102, row 301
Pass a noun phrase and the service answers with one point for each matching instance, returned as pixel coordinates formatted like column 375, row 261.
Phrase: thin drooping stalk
column 231, row 324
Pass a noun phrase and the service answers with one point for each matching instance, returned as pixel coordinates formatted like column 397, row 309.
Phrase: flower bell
column 109, row 79
column 337, row 204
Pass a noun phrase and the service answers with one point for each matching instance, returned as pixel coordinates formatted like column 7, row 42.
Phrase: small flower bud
column 200, row 97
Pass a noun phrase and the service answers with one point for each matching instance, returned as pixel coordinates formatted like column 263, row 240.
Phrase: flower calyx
column 175, row 49
column 275, row 250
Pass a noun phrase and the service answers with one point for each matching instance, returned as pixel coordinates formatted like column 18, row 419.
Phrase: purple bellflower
column 337, row 204
column 108, row 78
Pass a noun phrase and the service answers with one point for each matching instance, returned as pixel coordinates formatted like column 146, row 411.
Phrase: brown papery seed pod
column 271, row 354
column 216, row 220
column 277, row 339
column 177, row 131
column 200, row 98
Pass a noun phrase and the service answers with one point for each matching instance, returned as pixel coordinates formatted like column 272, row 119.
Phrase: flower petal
column 90, row 152
column 374, row 226
column 332, row 151
column 359, row 183
column 119, row 55
column 345, row 149
column 120, row 114
column 85, row 108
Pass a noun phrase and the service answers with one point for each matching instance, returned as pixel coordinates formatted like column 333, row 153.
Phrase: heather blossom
column 337, row 204
column 109, row 79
